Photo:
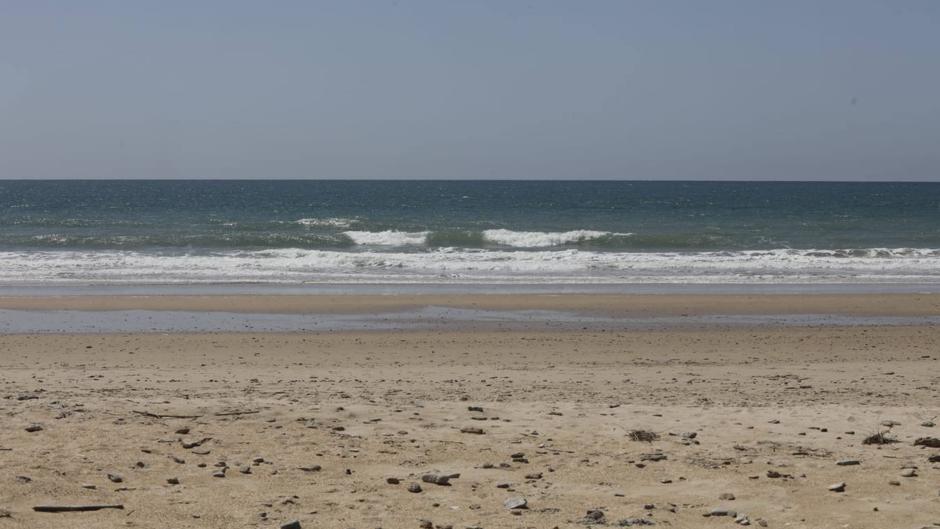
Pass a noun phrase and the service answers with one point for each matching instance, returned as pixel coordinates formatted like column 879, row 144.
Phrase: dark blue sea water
column 467, row 231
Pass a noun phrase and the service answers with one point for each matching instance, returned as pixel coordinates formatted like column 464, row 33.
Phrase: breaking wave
column 487, row 238
column 450, row 265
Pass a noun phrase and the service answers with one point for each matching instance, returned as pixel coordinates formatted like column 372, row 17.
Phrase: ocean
column 296, row 233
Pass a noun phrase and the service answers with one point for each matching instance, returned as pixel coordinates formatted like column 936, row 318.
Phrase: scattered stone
column 934, row 458
column 909, row 473
column 245, row 469
column 631, row 522
column 89, row 486
column 291, row 525
column 536, row 475
column 392, row 481
column 193, row 444
column 173, row 481
column 726, row 496
column 438, row 479
column 311, row 468
column 33, row 428
column 928, row 424
column 721, row 511
column 115, row 478
column 848, row 462
column 644, row 436
column 837, row 487
column 595, row 516
column 473, row 430
column 414, row 487
column 880, row 438
column 655, row 456
column 220, row 473
column 475, row 408
column 503, row 485
column 930, row 442
column 516, row 502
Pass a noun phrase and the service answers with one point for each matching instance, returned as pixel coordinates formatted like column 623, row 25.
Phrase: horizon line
column 370, row 179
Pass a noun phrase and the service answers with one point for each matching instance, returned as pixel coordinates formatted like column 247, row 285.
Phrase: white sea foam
column 387, row 238
column 447, row 265
column 335, row 222
column 541, row 239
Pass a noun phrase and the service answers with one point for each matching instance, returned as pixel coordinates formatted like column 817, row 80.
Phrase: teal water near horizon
column 323, row 231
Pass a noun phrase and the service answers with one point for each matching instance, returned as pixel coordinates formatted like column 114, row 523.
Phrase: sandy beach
column 335, row 429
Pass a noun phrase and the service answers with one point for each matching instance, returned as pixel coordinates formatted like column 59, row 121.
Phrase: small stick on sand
column 165, row 416
column 228, row 413
column 75, row 508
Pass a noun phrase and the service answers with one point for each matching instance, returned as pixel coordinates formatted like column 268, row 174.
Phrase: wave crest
column 478, row 239
column 387, row 237
column 541, row 239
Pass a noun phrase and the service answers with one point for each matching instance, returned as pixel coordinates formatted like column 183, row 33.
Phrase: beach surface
column 753, row 422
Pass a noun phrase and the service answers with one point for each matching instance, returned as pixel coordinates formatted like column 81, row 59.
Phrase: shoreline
column 613, row 305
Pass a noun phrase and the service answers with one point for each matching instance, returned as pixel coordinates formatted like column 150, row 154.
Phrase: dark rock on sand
column 632, row 522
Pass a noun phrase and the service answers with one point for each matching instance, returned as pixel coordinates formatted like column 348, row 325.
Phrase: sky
column 537, row 89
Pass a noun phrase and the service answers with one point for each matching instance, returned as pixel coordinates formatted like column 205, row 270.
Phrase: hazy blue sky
column 470, row 89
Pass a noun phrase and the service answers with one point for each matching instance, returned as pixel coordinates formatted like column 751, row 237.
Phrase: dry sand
column 332, row 416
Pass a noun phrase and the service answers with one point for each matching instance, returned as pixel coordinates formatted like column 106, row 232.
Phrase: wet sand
column 618, row 305
column 311, row 426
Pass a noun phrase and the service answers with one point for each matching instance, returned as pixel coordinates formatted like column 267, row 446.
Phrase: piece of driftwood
column 229, row 413
column 165, row 416
column 76, row 508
